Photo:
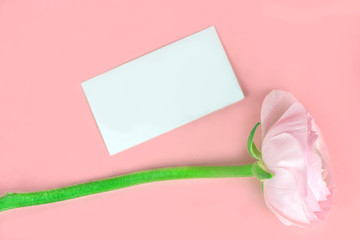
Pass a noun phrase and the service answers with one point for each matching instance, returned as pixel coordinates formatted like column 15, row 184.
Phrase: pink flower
column 294, row 151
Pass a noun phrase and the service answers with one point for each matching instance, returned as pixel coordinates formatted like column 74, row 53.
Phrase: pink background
column 48, row 137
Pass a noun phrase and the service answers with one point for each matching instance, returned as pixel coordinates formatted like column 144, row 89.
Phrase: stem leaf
column 259, row 172
column 253, row 150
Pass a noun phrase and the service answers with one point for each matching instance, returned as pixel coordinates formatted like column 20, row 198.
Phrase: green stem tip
column 17, row 200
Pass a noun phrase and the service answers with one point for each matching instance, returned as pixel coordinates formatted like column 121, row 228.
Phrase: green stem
column 16, row 200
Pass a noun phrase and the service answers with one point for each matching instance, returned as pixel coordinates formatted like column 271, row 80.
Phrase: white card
column 162, row 90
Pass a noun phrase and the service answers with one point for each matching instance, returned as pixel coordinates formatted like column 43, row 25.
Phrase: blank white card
column 162, row 90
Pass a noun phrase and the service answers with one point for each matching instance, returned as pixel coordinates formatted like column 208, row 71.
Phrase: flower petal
column 294, row 121
column 294, row 151
column 274, row 106
column 283, row 153
column 282, row 194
